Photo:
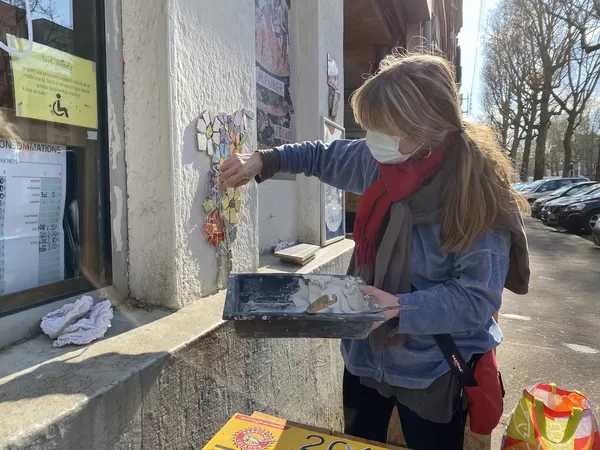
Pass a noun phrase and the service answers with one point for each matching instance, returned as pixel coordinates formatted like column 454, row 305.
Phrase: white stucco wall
column 180, row 60
column 150, row 205
column 212, row 60
column 277, row 213
column 319, row 32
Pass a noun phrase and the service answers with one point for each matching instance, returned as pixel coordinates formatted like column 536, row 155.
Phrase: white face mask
column 384, row 148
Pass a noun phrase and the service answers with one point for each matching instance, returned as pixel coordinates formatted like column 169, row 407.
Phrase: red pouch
column 482, row 383
column 486, row 400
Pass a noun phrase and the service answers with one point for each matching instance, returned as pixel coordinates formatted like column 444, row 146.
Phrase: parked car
column 596, row 234
column 565, row 191
column 552, row 207
column 519, row 186
column 541, row 188
column 580, row 213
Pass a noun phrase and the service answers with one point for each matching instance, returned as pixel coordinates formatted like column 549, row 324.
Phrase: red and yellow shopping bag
column 547, row 418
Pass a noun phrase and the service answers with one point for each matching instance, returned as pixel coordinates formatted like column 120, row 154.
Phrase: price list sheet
column 32, row 200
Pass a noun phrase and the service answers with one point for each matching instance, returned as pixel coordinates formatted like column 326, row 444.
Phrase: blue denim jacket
column 456, row 293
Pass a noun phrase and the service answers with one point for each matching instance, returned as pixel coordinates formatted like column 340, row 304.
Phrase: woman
column 438, row 227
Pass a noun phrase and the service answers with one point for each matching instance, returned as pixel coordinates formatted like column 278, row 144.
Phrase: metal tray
column 272, row 314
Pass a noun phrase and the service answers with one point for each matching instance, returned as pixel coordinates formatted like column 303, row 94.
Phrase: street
column 552, row 335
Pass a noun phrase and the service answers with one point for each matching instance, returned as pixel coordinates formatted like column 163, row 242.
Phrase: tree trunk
column 526, row 156
column 567, row 147
column 505, row 128
column 514, row 148
column 597, row 177
column 540, row 147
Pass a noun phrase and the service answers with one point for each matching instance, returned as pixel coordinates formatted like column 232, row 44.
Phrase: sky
column 469, row 40
column 62, row 10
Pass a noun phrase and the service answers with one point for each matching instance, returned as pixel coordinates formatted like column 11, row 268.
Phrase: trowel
column 325, row 301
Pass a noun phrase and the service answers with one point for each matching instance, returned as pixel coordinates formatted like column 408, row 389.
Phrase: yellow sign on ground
column 257, row 433
column 53, row 85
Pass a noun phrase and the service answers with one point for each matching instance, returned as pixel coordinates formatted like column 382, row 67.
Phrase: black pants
column 367, row 415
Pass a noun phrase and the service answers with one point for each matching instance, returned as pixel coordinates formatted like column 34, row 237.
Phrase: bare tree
column 597, row 174
column 590, row 8
column 546, row 34
column 579, row 77
column 45, row 9
column 586, row 148
column 554, row 146
column 530, row 120
column 502, row 81
column 497, row 99
column 509, row 99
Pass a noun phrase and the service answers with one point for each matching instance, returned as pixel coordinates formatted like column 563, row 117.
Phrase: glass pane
column 562, row 190
column 53, row 158
column 533, row 186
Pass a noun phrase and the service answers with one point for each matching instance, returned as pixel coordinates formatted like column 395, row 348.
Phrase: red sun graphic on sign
column 253, row 439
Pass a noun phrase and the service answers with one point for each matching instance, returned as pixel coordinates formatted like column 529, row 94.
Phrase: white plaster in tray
column 350, row 299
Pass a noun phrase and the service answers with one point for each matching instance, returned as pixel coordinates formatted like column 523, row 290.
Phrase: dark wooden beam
column 382, row 19
column 401, row 17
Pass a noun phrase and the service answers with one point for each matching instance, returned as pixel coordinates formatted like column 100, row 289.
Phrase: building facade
column 115, row 117
column 374, row 29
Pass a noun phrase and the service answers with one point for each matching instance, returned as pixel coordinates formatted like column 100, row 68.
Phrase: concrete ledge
column 166, row 380
column 332, row 259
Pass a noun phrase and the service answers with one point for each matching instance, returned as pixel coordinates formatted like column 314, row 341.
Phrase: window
column 572, row 190
column 563, row 190
column 565, row 182
column 549, row 186
column 533, row 187
column 54, row 212
column 587, row 190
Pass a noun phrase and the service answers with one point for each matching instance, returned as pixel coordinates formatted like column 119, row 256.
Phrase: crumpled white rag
column 54, row 323
column 89, row 328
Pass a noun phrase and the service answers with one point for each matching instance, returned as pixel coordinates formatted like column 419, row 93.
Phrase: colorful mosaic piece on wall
column 221, row 135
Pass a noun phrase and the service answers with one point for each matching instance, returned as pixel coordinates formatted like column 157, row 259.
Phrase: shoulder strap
column 461, row 369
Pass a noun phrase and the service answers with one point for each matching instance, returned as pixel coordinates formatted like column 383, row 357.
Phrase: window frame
column 74, row 287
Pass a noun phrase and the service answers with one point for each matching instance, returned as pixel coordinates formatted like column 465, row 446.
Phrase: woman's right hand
column 239, row 169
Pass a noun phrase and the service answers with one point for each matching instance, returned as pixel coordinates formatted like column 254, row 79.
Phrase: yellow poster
column 53, row 85
column 253, row 433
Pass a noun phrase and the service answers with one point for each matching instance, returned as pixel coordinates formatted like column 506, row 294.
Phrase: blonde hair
column 416, row 95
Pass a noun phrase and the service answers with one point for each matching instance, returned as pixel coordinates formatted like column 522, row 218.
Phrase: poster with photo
column 273, row 70
column 332, row 72
column 333, row 210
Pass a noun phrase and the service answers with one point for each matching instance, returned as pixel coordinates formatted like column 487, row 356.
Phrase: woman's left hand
column 384, row 299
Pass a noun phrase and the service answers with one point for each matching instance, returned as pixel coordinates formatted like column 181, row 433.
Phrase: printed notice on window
column 32, row 199
column 53, row 85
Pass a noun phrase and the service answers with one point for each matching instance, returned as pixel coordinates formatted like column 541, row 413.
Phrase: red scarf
column 396, row 182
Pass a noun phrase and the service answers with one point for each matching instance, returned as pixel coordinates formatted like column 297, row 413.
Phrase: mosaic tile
column 222, row 249
column 209, row 205
column 222, row 135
